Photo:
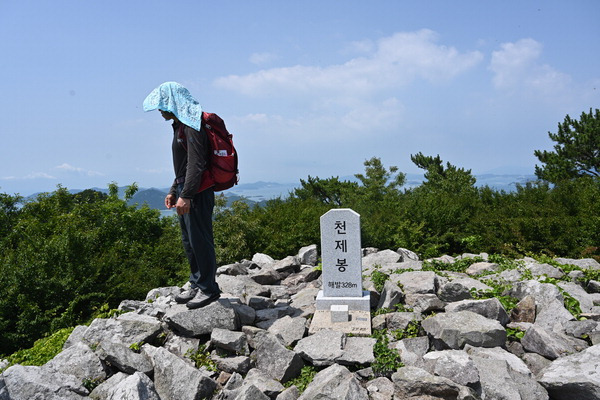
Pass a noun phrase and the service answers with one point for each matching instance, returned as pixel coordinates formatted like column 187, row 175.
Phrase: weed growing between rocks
column 387, row 360
column 201, row 358
column 306, row 376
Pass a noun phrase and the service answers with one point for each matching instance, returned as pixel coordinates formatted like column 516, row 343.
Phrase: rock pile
column 253, row 342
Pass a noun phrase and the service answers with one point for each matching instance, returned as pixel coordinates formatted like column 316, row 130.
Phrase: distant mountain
column 260, row 192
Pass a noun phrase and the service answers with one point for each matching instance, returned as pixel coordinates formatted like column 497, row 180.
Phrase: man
column 192, row 192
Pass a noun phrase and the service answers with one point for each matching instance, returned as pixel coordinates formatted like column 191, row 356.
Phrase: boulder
column 227, row 340
column 290, row 329
column 455, row 365
column 335, row 383
column 123, row 358
column 176, row 379
column 308, row 255
column 78, row 360
column 416, row 383
column 322, row 348
column 489, row 308
column 413, row 282
column 550, row 344
column 121, row 330
column 390, row 295
column 201, row 321
column 273, row 358
column 574, row 377
column 27, row 383
column 357, row 351
column 454, row 330
column 133, row 387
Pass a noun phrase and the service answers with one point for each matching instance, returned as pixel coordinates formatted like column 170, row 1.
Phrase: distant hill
column 260, row 192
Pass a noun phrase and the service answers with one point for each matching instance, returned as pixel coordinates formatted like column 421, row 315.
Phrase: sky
column 307, row 88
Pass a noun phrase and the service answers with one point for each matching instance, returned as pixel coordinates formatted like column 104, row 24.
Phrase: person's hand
column 183, row 206
column 170, row 201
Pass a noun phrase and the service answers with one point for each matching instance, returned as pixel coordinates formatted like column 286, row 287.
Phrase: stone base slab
column 359, row 323
column 354, row 303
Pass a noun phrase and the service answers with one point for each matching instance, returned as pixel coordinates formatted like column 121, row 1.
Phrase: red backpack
column 223, row 163
column 222, row 172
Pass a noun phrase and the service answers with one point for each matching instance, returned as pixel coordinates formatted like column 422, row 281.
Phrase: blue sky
column 306, row 87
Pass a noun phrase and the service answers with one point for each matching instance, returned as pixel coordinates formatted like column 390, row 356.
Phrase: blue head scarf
column 174, row 98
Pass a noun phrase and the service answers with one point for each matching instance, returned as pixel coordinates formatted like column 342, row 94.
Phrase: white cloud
column 69, row 168
column 516, row 67
column 33, row 175
column 262, row 58
column 394, row 61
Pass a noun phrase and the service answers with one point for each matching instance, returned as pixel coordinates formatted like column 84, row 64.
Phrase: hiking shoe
column 202, row 299
column 186, row 295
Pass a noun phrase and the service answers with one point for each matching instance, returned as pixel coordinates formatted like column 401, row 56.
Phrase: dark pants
column 197, row 237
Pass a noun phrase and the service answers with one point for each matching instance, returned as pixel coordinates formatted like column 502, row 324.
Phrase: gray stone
column 545, row 269
column 322, row 348
column 78, row 360
column 261, row 258
column 524, row 311
column 358, row 350
column 407, row 255
column 580, row 329
column 235, row 269
column 75, row 336
column 290, row 393
column 584, row 263
column 122, row 331
column 272, row 314
column 498, row 353
column 123, row 358
column 239, row 364
column 380, row 389
column 593, row 286
column 29, row 383
column 536, row 363
column 171, row 291
column 586, row 301
column 472, row 284
column 334, row 383
column 176, row 379
column 250, row 392
column 412, row 265
column 266, row 276
column 304, row 301
column 550, row 344
column 401, row 320
column 287, row 266
column 424, row 303
column 134, row 387
column 574, row 377
column 201, row 321
column 455, row 365
column 380, row 258
column 489, row 308
column 104, row 390
column 480, row 267
column 264, row 383
column 412, row 350
column 235, row 342
column 180, row 345
column 246, row 314
column 416, row 383
column 260, row 302
column 290, row 329
column 500, row 381
column 543, row 293
column 241, row 286
column 390, row 295
column 417, row 282
column 553, row 315
column 308, row 255
column 274, row 359
column 454, row 291
column 454, row 330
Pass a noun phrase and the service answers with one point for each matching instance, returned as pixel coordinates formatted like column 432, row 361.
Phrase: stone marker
column 342, row 276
